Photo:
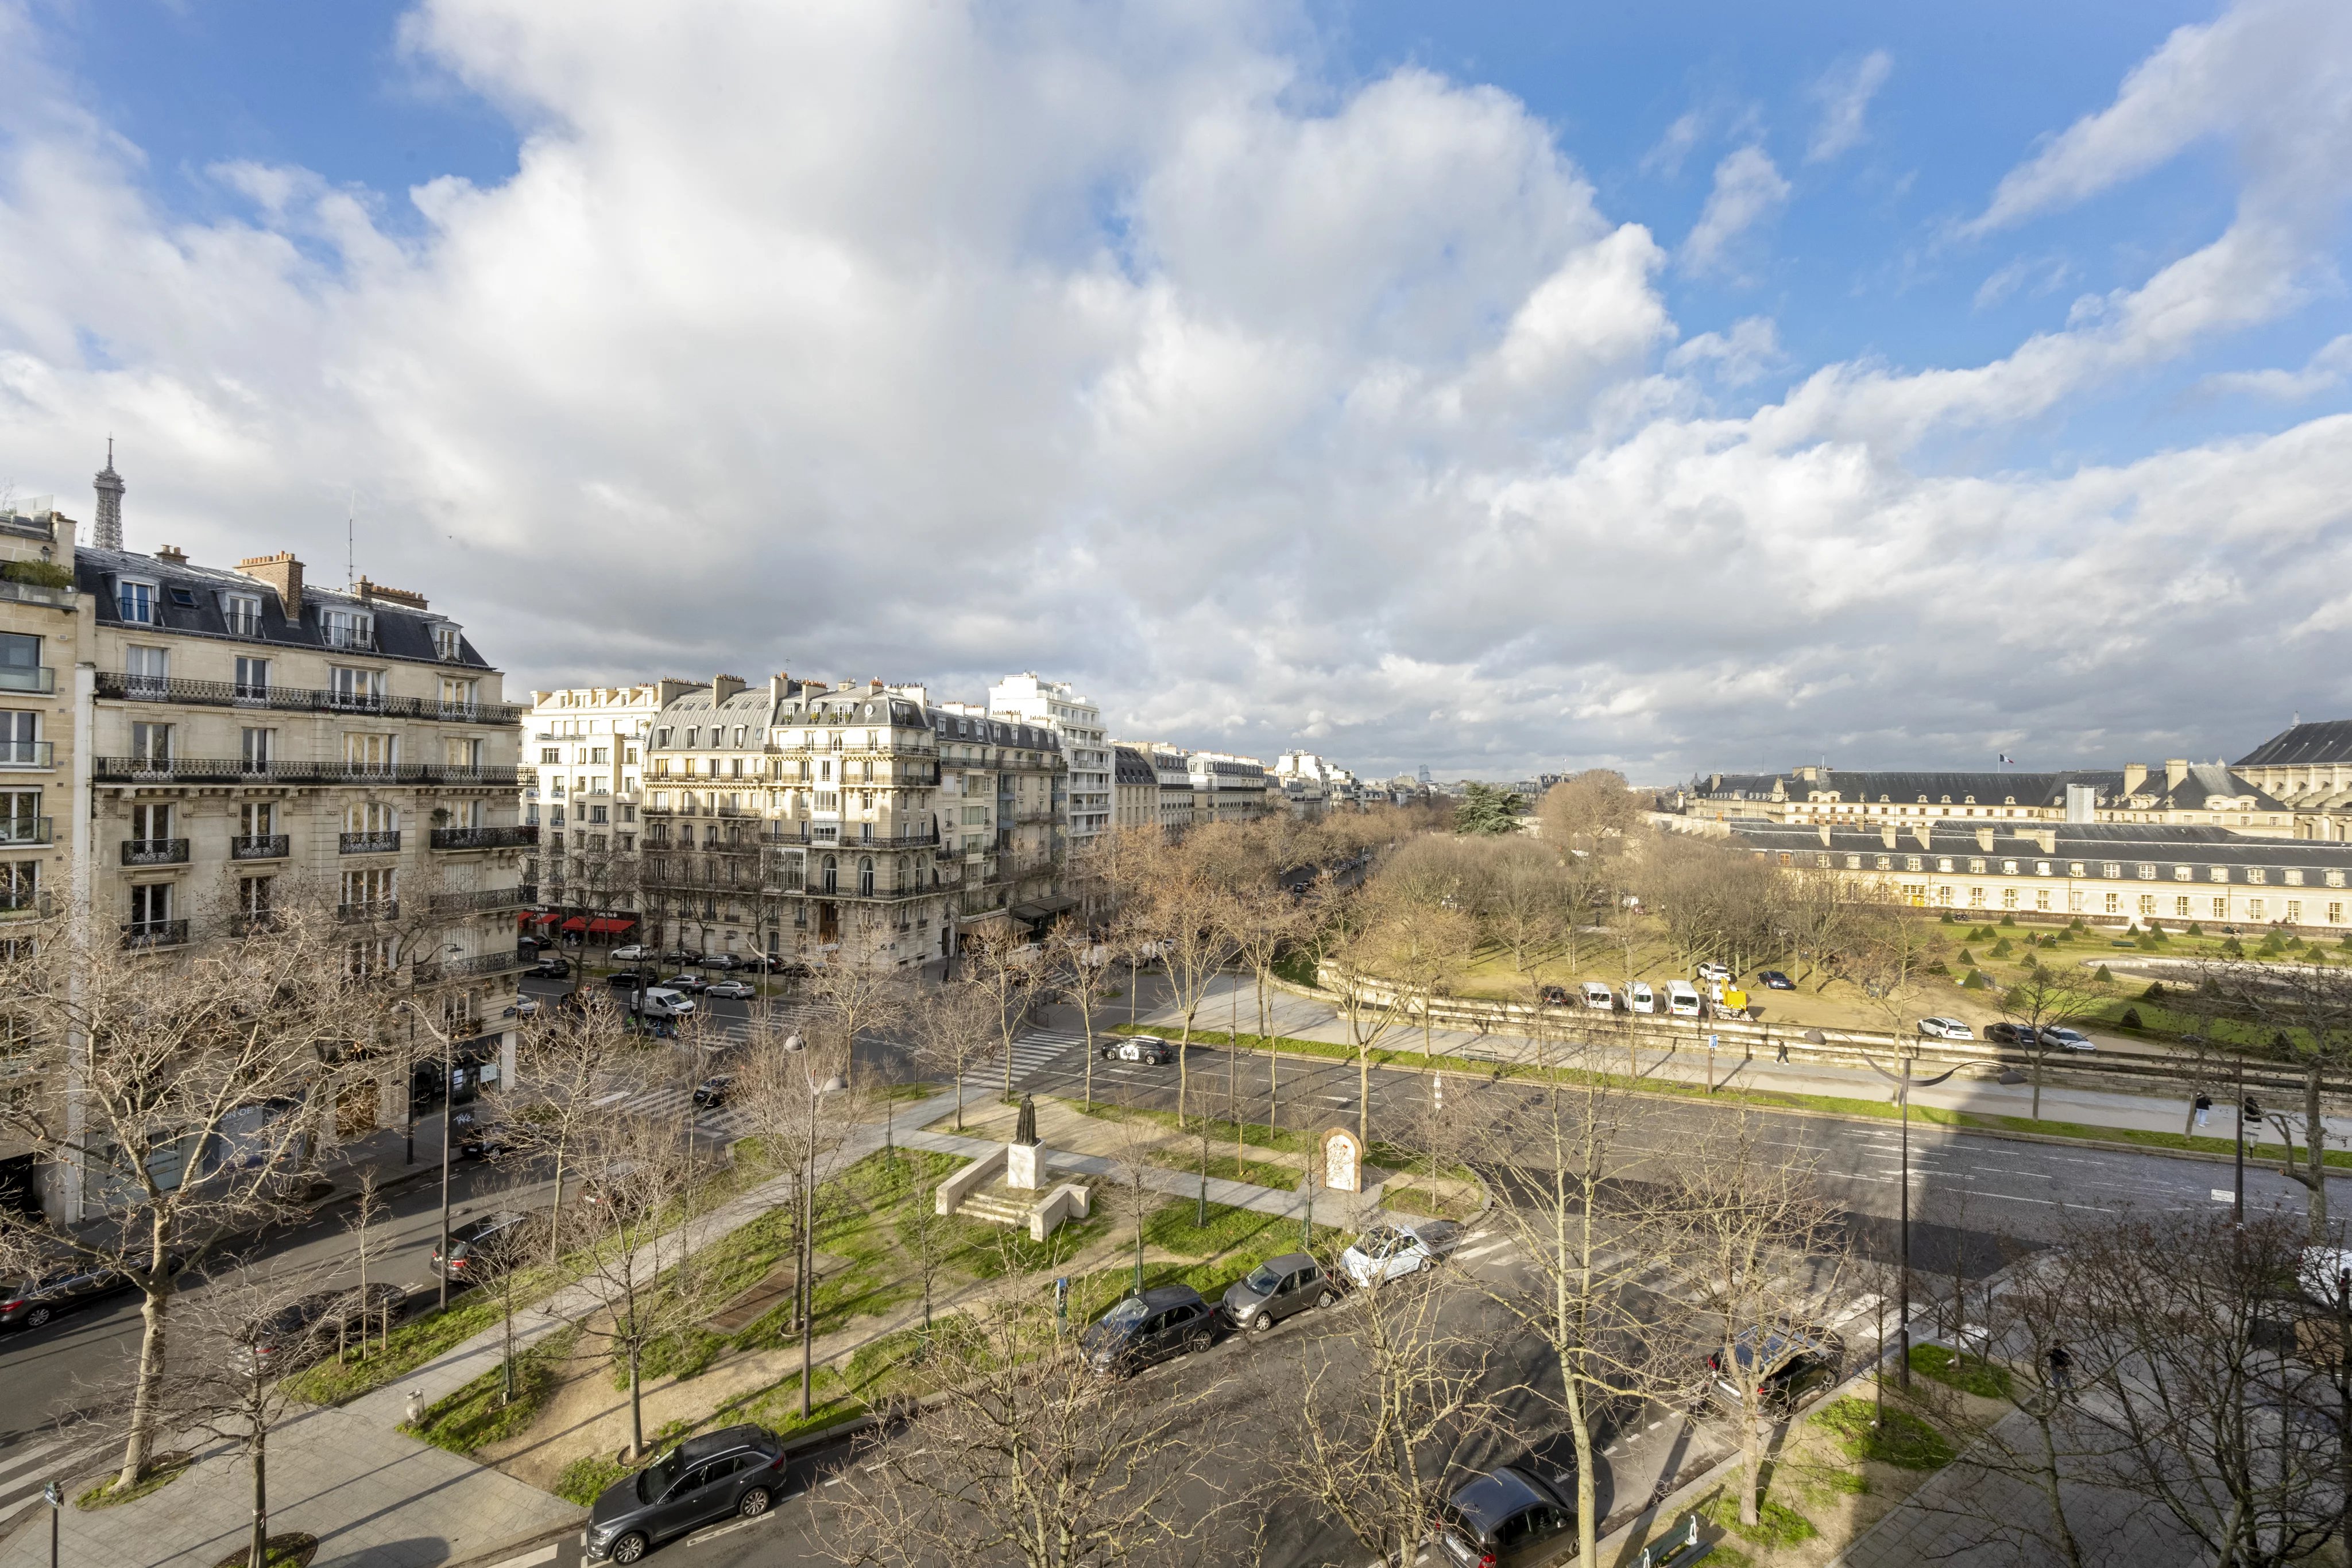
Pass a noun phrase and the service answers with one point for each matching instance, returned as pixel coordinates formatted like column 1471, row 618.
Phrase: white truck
column 661, row 1002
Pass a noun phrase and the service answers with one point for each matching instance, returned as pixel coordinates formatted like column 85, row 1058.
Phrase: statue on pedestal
column 1024, row 1129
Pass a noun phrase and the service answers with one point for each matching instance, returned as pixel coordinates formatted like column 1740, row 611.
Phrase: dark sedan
column 713, row 1091
column 1776, row 981
column 480, row 1243
column 733, row 1473
column 29, row 1302
column 2022, row 1035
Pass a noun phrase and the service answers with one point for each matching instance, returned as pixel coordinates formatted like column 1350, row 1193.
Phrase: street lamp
column 1902, row 1098
column 448, row 1098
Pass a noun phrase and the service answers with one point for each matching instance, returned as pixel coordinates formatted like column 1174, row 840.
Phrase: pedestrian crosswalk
column 28, row 1467
column 674, row 1101
column 1034, row 1053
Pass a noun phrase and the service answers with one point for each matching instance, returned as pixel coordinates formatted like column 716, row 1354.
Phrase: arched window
column 832, row 875
column 866, row 876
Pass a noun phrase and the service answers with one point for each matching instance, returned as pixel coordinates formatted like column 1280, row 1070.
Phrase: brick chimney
column 2134, row 775
column 282, row 572
column 724, row 687
column 174, row 554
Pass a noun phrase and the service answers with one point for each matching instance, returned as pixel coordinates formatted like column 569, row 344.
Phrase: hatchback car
column 28, row 1302
column 2019, row 1034
column 727, row 962
column 1714, row 971
column 1164, row 1321
column 731, row 990
column 478, row 1243
column 1599, row 998
column 1507, row 1517
column 2068, row 1039
column 634, row 953
column 1945, row 1028
column 681, row 956
column 551, row 968
column 1386, row 1251
column 1554, row 995
column 1784, row 1367
column 302, row 1330
column 1276, row 1289
column 1140, row 1047
column 693, row 985
column 713, row 1091
column 732, row 1473
column 1776, row 981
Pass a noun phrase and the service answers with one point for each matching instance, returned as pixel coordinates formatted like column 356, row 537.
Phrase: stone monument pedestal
column 1024, row 1166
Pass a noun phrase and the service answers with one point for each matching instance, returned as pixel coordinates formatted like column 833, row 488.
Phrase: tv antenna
column 351, row 541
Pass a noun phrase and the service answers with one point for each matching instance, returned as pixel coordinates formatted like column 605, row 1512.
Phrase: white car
column 2067, row 1038
column 1714, row 971
column 1599, row 998
column 1642, row 999
column 635, row 953
column 733, row 990
column 1945, row 1028
column 1386, row 1251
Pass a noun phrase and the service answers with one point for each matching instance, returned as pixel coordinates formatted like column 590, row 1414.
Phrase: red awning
column 577, row 923
column 546, row 919
column 523, row 917
column 608, row 927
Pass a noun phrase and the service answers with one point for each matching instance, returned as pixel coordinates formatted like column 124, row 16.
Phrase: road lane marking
column 29, row 1456
column 531, row 1559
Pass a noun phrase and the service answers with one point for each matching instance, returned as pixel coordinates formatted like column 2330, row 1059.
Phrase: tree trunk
column 555, row 1213
column 636, row 1403
column 2314, row 1155
column 259, row 1554
column 139, row 1444
column 1751, row 1459
column 2048, row 1476
column 1364, row 1097
column 2037, row 1086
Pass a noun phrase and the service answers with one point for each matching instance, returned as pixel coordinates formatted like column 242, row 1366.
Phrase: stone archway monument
column 1340, row 1158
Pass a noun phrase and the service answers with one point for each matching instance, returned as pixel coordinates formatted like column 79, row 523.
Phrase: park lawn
column 479, row 1413
column 1208, row 1257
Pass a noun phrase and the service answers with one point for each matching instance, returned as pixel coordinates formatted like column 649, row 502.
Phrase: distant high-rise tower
column 1424, row 767
column 107, row 532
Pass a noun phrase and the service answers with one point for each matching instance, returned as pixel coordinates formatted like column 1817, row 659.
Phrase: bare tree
column 1755, row 1236
column 1355, row 939
column 628, row 1239
column 1005, row 973
column 2303, row 1010
column 575, row 1062
column 1715, row 903
column 1525, row 905
column 175, row 1090
column 1181, row 913
column 1593, row 813
column 1026, row 1458
column 954, row 1027
column 1078, row 962
column 1818, row 914
column 856, row 1001
column 2046, row 997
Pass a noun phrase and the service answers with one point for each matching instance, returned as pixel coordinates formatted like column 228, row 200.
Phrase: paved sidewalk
column 1304, row 1017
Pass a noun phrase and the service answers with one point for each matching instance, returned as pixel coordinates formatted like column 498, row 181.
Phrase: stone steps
column 996, row 1211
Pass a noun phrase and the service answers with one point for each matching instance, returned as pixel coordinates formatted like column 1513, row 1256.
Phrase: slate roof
column 2304, row 746
column 2131, row 844
column 1133, row 768
column 402, row 631
column 2203, row 782
column 756, row 710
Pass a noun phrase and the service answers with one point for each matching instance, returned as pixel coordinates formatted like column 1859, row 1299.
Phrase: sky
column 1497, row 388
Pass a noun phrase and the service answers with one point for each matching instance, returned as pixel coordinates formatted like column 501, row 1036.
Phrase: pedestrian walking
column 2061, row 1371
column 1781, row 1053
column 2204, row 1108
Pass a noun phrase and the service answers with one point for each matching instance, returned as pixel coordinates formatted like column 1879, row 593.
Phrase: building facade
column 1135, row 789
column 1085, row 752
column 1225, row 788
column 583, row 778
column 2307, row 767
column 2179, row 794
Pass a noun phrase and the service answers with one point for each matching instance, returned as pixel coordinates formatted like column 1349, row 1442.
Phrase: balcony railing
column 154, row 852
column 369, row 909
column 295, row 699
column 244, row 625
column 491, row 898
column 524, row 836
column 358, row 639
column 24, row 902
column 154, row 934
column 805, row 837
column 233, row 770
column 38, row 679
column 16, row 830
column 36, row 593
column 468, row 968
column 369, row 844
column 258, row 847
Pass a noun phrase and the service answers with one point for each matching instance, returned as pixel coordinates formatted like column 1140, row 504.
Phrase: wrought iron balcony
column 155, row 933
column 369, row 844
column 524, row 836
column 154, row 852
column 236, row 770
column 258, row 847
column 369, row 909
column 16, row 830
column 429, row 970
column 487, row 898
column 293, row 699
column 27, row 754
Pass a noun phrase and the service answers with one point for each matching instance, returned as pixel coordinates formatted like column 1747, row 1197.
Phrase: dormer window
column 135, row 602
column 349, row 629
column 242, row 611
column 449, row 642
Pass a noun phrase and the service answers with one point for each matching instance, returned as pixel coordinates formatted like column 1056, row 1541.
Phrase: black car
column 551, row 968
column 1276, row 1289
column 492, row 1142
column 1785, row 1367
column 2022, row 1035
column 1554, row 995
column 1164, row 1321
column 733, row 1473
column 482, row 1241
column 631, row 979
column 301, row 1331
column 1776, row 981
column 29, row 1302
column 1507, row 1517
column 713, row 1091
column 681, row 956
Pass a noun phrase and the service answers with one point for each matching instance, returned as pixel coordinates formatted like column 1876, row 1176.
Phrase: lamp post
column 1902, row 1098
column 807, row 1260
column 448, row 1097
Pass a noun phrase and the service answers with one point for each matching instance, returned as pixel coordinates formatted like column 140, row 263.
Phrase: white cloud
column 1845, row 95
column 2324, row 371
column 1749, row 190
column 2035, row 275
column 1675, row 146
column 886, row 340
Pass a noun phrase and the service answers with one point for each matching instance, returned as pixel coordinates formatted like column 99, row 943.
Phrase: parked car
column 732, row 990
column 1776, row 981
column 1554, row 995
column 713, row 1091
column 479, row 1242
column 661, row 1002
column 298, row 1332
column 732, row 1473
column 493, row 1143
column 1711, row 971
column 630, row 980
column 1385, row 1251
column 677, row 956
column 1641, row 998
column 2006, row 1033
column 725, row 962
column 1784, row 1367
column 2068, row 1039
column 1945, row 1028
column 1138, row 1048
column 29, row 1301
column 1598, row 996
column 634, row 953
column 1276, row 1289
column 694, row 985
column 1682, row 998
column 1164, row 1321
column 524, row 1008
column 1507, row 1517
column 551, row 968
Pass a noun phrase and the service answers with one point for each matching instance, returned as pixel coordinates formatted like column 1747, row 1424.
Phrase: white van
column 1643, row 1000
column 1682, row 998
column 1600, row 997
column 661, row 1002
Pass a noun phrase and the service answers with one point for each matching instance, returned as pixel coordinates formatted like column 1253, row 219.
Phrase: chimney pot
column 174, row 554
column 282, row 572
